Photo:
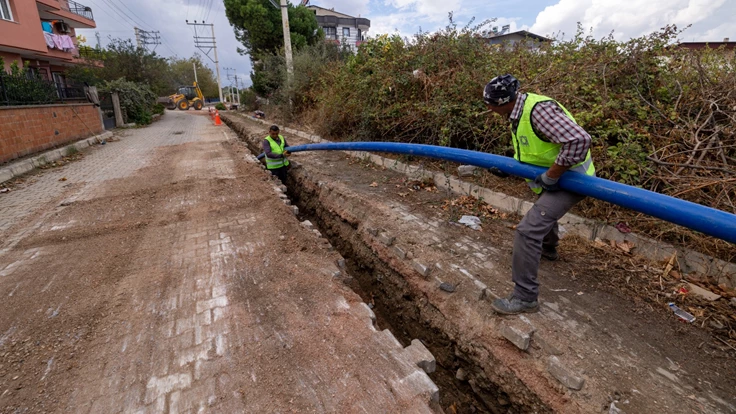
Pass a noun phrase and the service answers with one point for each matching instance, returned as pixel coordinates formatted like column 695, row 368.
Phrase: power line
column 120, row 12
column 141, row 20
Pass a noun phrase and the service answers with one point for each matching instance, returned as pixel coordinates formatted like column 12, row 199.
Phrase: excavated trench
column 462, row 384
column 470, row 378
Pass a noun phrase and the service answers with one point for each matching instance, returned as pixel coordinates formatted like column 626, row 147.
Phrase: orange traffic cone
column 217, row 118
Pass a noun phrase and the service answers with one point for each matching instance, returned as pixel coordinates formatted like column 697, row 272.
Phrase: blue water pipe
column 710, row 221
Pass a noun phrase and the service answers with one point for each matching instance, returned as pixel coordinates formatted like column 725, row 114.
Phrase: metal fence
column 79, row 9
column 24, row 90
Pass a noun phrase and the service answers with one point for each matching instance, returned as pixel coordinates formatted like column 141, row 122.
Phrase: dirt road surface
column 165, row 272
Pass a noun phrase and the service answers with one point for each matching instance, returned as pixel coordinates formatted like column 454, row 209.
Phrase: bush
column 221, row 106
column 249, row 99
column 158, row 108
column 136, row 100
column 661, row 117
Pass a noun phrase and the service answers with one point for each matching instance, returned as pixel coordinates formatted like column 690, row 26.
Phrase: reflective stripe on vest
column 274, row 163
column 530, row 149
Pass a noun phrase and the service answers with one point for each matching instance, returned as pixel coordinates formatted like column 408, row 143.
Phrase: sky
column 711, row 20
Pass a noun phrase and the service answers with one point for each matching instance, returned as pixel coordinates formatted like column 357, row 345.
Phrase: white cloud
column 634, row 18
column 430, row 8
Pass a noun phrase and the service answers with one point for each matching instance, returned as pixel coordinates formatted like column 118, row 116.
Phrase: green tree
column 257, row 25
column 121, row 59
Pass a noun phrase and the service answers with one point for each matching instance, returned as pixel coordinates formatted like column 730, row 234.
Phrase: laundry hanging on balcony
column 61, row 42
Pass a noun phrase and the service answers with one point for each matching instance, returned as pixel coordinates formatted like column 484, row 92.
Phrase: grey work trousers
column 538, row 228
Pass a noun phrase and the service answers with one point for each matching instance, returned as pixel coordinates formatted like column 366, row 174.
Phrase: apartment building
column 40, row 35
column 341, row 28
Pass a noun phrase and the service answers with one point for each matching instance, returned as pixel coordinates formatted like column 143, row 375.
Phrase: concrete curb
column 690, row 261
column 17, row 168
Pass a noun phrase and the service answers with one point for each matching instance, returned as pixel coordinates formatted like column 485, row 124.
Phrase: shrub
column 661, row 117
column 158, row 108
column 249, row 99
column 136, row 100
column 221, row 106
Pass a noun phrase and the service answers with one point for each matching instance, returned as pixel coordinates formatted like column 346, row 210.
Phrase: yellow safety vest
column 531, row 149
column 274, row 163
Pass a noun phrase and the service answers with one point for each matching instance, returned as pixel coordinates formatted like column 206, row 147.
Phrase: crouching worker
column 274, row 148
column 543, row 133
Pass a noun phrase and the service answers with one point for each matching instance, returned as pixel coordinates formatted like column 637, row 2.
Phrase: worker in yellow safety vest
column 543, row 133
column 274, row 148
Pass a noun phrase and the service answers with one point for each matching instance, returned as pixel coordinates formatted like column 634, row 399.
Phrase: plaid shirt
column 552, row 124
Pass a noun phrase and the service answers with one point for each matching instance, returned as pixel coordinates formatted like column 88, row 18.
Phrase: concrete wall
column 30, row 129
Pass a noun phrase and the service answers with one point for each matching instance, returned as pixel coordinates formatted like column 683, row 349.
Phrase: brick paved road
column 173, row 279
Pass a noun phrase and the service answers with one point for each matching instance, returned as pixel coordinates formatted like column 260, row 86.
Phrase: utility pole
column 137, row 37
column 287, row 39
column 195, row 71
column 207, row 44
column 145, row 38
column 237, row 88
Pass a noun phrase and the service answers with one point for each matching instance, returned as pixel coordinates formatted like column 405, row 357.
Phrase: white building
column 522, row 37
column 341, row 28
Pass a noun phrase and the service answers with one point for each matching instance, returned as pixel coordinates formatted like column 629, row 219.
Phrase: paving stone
column 399, row 252
column 418, row 354
column 421, row 268
column 517, row 334
column 386, row 239
column 564, row 374
column 466, row 170
column 295, row 210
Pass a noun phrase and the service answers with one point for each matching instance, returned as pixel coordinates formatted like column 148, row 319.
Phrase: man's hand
column 547, row 183
column 498, row 173
column 286, row 153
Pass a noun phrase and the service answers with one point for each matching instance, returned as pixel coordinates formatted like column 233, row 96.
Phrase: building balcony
column 78, row 9
column 74, row 14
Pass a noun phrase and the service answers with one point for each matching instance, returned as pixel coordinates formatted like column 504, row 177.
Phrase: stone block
column 373, row 232
column 295, row 210
column 307, row 225
column 386, row 239
column 466, row 170
column 421, row 268
column 415, row 384
column 418, row 354
column 5, row 175
column 341, row 263
column 518, row 334
column 399, row 252
column 563, row 374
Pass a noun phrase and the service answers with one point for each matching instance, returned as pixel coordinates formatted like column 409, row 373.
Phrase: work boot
column 550, row 253
column 513, row 306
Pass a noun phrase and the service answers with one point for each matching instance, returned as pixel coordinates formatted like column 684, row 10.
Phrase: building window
column 345, row 32
column 5, row 12
column 330, row 32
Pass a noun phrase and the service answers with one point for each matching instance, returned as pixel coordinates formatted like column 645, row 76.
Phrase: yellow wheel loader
column 186, row 97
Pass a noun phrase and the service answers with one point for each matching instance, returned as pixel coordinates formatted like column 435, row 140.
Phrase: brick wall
column 27, row 130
